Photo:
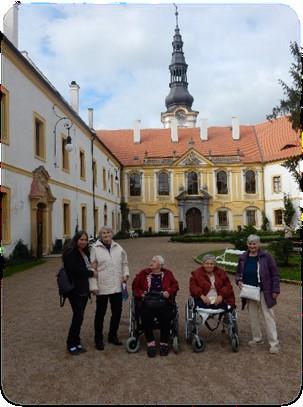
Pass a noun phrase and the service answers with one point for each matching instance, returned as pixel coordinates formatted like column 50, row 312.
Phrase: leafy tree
column 289, row 210
column 265, row 221
column 290, row 106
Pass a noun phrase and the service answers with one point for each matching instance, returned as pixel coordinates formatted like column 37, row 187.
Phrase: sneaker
column 274, row 349
column 151, row 351
column 163, row 350
column 81, row 349
column 255, row 342
column 73, row 350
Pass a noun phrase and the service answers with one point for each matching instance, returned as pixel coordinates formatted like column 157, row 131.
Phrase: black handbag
column 65, row 285
column 154, row 300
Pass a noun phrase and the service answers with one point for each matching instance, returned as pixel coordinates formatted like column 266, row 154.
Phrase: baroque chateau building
column 60, row 174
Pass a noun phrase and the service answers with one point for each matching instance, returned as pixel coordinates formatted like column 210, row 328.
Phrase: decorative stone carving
column 40, row 188
column 192, row 159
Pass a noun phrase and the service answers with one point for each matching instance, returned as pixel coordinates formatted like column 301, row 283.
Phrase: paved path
column 38, row 370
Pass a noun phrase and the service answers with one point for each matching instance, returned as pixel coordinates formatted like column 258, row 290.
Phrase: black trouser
column 78, row 304
column 164, row 316
column 116, row 309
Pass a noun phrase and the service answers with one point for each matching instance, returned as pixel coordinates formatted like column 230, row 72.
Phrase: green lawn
column 290, row 272
column 9, row 270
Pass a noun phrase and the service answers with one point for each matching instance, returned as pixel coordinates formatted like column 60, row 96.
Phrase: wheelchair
column 135, row 328
column 195, row 317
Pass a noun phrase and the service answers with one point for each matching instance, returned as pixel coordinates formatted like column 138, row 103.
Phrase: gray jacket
column 269, row 276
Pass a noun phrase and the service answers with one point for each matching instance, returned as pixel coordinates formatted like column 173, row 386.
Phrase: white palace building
column 59, row 174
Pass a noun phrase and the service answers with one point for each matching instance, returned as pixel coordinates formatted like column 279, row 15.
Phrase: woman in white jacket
column 110, row 260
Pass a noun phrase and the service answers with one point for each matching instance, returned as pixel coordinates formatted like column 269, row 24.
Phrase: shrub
column 281, row 249
column 20, row 252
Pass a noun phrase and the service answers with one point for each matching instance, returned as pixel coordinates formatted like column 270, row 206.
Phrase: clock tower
column 179, row 101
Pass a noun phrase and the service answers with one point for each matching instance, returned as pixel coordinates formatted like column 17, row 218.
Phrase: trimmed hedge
column 202, row 239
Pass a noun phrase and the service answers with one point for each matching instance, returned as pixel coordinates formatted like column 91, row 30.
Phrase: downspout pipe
column 94, row 135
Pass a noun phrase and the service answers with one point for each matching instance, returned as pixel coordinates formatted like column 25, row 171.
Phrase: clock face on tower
column 180, row 116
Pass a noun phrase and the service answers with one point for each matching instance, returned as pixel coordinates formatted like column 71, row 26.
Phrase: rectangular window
column 39, row 137
column 251, row 217
column 4, row 115
column 164, row 220
column 277, row 184
column 65, row 155
column 96, row 218
column 95, row 172
column 83, row 217
column 66, row 218
column 113, row 221
column 136, row 221
column 112, row 183
column 278, row 217
column 222, row 218
column 82, row 164
column 5, row 215
column 104, row 179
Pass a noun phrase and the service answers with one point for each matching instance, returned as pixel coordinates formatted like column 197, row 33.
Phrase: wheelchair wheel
column 198, row 347
column 235, row 343
column 176, row 344
column 132, row 344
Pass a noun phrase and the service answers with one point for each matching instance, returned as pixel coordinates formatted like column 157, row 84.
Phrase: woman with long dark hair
column 78, row 267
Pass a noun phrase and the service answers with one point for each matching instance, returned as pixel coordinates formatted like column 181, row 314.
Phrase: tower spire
column 176, row 14
column 178, row 95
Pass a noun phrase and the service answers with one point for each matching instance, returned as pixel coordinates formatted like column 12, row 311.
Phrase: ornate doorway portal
column 42, row 201
column 193, row 221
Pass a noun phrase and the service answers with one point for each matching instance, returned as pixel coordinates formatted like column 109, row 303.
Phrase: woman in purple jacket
column 270, row 289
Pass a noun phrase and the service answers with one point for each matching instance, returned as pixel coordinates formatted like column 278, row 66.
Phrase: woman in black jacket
column 77, row 265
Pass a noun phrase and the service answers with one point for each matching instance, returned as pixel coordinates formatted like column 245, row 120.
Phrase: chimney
column 90, row 112
column 74, row 95
column 235, row 128
column 204, row 130
column 137, row 137
column 10, row 25
column 174, row 130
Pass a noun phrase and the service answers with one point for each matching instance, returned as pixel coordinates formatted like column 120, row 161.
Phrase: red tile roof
column 278, row 141
column 264, row 139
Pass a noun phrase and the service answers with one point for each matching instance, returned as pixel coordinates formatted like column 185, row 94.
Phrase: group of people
column 104, row 269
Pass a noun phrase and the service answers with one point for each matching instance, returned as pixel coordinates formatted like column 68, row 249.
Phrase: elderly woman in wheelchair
column 153, row 306
column 212, row 298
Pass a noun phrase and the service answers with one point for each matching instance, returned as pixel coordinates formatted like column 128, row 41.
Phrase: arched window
column 251, row 217
column 163, row 183
column 222, row 182
column 192, row 183
column 135, row 185
column 250, row 182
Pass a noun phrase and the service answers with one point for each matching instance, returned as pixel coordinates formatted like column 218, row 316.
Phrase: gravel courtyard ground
column 36, row 369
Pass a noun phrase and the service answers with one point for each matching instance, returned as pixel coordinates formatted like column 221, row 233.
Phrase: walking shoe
column 73, row 350
column 114, row 340
column 81, row 349
column 100, row 345
column 151, row 351
column 274, row 349
column 163, row 350
column 254, row 342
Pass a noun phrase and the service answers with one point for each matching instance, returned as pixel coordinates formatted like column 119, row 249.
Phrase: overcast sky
column 119, row 55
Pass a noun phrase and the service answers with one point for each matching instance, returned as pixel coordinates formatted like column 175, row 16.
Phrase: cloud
column 119, row 55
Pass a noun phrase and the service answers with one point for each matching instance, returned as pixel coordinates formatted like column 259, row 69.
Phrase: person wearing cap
column 156, row 279
column 210, row 286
